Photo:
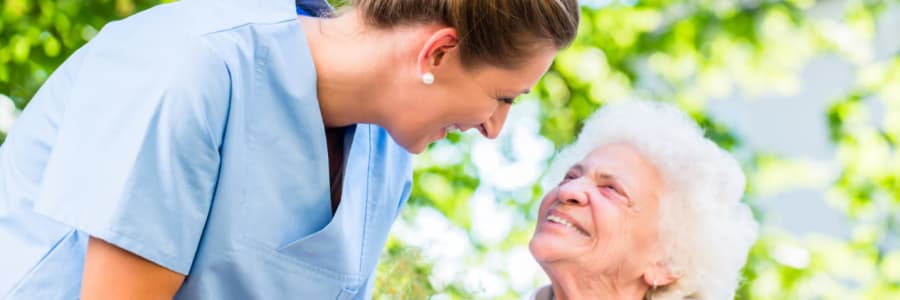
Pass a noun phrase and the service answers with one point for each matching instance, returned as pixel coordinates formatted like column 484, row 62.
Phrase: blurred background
column 805, row 93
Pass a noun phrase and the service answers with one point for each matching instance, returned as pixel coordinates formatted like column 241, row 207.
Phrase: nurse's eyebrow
column 522, row 92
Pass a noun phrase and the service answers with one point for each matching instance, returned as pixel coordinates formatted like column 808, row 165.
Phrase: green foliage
column 38, row 35
column 685, row 52
column 400, row 272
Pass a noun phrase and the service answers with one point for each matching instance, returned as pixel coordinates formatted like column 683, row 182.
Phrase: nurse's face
column 473, row 98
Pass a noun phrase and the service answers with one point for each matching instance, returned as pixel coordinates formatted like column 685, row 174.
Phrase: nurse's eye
column 507, row 100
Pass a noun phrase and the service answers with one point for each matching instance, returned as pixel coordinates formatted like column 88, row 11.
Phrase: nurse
column 229, row 149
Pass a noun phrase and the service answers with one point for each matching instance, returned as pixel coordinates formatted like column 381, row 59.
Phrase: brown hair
column 497, row 32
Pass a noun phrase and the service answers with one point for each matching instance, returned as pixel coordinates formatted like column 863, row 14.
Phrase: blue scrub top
column 190, row 134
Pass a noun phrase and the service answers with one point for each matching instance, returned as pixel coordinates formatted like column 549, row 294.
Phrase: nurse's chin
column 412, row 143
column 416, row 147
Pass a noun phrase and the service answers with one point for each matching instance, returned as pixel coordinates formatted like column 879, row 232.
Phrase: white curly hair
column 705, row 230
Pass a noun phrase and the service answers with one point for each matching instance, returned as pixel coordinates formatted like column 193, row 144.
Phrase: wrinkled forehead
column 625, row 163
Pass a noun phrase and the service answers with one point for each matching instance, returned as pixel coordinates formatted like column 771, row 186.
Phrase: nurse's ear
column 440, row 45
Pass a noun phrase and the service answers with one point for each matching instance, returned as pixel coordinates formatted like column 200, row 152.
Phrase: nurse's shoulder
column 175, row 34
column 160, row 58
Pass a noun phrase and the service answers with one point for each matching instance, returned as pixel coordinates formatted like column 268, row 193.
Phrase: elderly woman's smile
column 555, row 218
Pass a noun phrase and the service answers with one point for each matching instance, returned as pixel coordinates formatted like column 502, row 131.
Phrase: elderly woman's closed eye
column 647, row 209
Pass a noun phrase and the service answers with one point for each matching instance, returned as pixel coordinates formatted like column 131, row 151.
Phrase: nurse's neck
column 360, row 69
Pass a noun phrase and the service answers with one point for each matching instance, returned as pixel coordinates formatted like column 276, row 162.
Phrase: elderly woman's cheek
column 547, row 202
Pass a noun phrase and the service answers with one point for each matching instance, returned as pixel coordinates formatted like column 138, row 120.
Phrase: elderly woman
column 651, row 211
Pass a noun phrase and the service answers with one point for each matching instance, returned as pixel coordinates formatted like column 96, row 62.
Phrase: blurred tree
column 686, row 52
column 36, row 36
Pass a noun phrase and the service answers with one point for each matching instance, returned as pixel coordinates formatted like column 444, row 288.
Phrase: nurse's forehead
column 509, row 84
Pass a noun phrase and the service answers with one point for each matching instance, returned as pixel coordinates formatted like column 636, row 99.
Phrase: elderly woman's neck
column 572, row 285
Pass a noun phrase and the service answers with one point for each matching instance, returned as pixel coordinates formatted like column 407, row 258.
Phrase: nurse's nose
column 494, row 124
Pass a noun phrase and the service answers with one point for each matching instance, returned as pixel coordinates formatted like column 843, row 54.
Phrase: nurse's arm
column 113, row 273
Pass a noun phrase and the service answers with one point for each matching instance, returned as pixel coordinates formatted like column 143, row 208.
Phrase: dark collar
column 316, row 8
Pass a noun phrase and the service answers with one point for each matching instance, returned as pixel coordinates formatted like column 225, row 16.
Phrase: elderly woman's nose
column 573, row 192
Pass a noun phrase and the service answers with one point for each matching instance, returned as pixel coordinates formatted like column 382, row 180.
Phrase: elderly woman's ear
column 658, row 275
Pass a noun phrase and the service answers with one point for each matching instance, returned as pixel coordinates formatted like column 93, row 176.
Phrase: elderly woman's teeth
column 452, row 128
column 562, row 221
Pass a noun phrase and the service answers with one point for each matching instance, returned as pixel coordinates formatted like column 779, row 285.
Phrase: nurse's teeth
column 562, row 221
column 452, row 128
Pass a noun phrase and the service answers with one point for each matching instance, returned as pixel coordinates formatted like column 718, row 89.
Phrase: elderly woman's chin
column 554, row 242
column 546, row 248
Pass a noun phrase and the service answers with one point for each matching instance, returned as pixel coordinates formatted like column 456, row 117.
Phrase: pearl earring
column 428, row 78
column 654, row 284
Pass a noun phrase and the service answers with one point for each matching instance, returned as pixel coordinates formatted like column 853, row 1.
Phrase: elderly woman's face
column 603, row 216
